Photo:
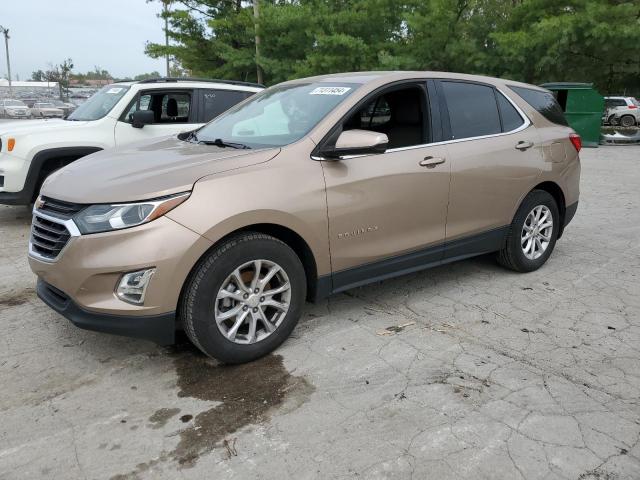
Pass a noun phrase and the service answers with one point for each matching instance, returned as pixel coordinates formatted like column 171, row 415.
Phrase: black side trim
column 157, row 328
column 569, row 213
column 323, row 288
column 24, row 196
column 486, row 242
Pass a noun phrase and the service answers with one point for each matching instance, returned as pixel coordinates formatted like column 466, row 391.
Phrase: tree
column 61, row 74
column 38, row 76
column 145, row 76
column 532, row 40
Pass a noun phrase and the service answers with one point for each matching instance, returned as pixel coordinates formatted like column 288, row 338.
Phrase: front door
column 386, row 210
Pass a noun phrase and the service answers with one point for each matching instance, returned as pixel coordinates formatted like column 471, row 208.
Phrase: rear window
column 473, row 111
column 544, row 102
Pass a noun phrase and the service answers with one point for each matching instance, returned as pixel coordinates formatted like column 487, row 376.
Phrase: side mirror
column 140, row 118
column 358, row 142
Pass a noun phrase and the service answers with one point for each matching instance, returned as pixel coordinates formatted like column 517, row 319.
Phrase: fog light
column 133, row 286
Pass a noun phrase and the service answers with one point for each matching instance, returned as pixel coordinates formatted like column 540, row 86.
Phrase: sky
column 108, row 33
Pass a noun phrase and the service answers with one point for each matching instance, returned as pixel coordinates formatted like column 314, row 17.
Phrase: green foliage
column 530, row 40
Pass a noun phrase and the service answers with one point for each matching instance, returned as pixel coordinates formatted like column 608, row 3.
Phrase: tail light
column 631, row 107
column 576, row 141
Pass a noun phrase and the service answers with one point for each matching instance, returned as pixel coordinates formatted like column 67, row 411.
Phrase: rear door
column 495, row 157
column 387, row 211
column 174, row 112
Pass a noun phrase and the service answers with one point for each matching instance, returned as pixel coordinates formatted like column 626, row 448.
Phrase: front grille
column 59, row 208
column 48, row 238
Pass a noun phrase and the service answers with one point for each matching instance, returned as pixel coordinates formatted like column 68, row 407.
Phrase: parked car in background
column 13, row 109
column 312, row 187
column 117, row 114
column 66, row 107
column 46, row 110
column 624, row 111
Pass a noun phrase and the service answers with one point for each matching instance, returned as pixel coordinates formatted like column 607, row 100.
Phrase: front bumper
column 15, row 198
column 87, row 271
column 16, row 115
column 157, row 328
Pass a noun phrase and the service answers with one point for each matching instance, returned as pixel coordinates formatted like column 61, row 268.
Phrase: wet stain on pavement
column 247, row 394
column 243, row 394
column 160, row 418
column 15, row 299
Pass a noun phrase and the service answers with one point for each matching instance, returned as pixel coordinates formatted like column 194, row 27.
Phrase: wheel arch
column 46, row 161
column 556, row 192
column 283, row 233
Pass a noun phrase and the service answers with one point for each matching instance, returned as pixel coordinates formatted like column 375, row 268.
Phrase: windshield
column 277, row 116
column 100, row 103
column 44, row 105
column 14, row 103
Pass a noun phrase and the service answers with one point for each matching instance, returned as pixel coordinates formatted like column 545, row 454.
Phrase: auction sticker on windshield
column 114, row 90
column 329, row 91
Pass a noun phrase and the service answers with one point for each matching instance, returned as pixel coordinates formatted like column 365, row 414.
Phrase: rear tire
column 627, row 121
column 224, row 282
column 530, row 239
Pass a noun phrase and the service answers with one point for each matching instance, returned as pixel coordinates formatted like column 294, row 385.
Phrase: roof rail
column 192, row 79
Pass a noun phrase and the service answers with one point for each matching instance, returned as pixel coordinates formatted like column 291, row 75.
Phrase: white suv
column 117, row 114
column 624, row 111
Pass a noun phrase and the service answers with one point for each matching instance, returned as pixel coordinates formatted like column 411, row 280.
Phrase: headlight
column 103, row 218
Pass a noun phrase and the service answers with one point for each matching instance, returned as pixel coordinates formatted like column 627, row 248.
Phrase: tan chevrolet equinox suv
column 308, row 188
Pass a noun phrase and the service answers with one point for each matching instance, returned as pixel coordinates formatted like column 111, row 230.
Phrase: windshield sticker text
column 330, row 91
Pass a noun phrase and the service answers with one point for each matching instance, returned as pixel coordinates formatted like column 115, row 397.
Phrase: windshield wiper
column 218, row 142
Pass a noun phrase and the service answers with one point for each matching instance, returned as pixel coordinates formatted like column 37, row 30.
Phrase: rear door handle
column 522, row 145
column 431, row 162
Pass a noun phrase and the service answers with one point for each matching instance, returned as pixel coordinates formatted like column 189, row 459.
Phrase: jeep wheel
column 532, row 234
column 244, row 298
column 627, row 121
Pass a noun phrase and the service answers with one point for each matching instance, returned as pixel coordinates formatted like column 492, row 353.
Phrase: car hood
column 146, row 170
column 36, row 126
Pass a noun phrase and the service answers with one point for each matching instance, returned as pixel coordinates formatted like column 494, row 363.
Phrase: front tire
column 532, row 234
column 244, row 298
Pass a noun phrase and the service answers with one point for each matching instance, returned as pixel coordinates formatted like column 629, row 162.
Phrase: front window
column 100, row 103
column 167, row 107
column 277, row 116
column 13, row 103
column 45, row 105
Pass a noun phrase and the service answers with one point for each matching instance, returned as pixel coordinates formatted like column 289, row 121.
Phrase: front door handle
column 522, row 145
column 431, row 162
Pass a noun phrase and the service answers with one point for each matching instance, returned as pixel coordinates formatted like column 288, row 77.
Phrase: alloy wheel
column 252, row 301
column 536, row 232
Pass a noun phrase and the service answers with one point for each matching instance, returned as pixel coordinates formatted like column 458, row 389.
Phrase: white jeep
column 117, row 114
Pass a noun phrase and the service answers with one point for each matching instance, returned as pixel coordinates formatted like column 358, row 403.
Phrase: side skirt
column 433, row 256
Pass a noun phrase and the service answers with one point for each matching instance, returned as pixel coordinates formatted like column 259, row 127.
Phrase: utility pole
column 165, row 9
column 5, row 31
column 256, row 17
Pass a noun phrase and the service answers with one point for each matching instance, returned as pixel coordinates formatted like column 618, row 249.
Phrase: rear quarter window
column 215, row 102
column 544, row 103
column 511, row 119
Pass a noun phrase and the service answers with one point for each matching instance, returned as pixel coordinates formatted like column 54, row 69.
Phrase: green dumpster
column 583, row 106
